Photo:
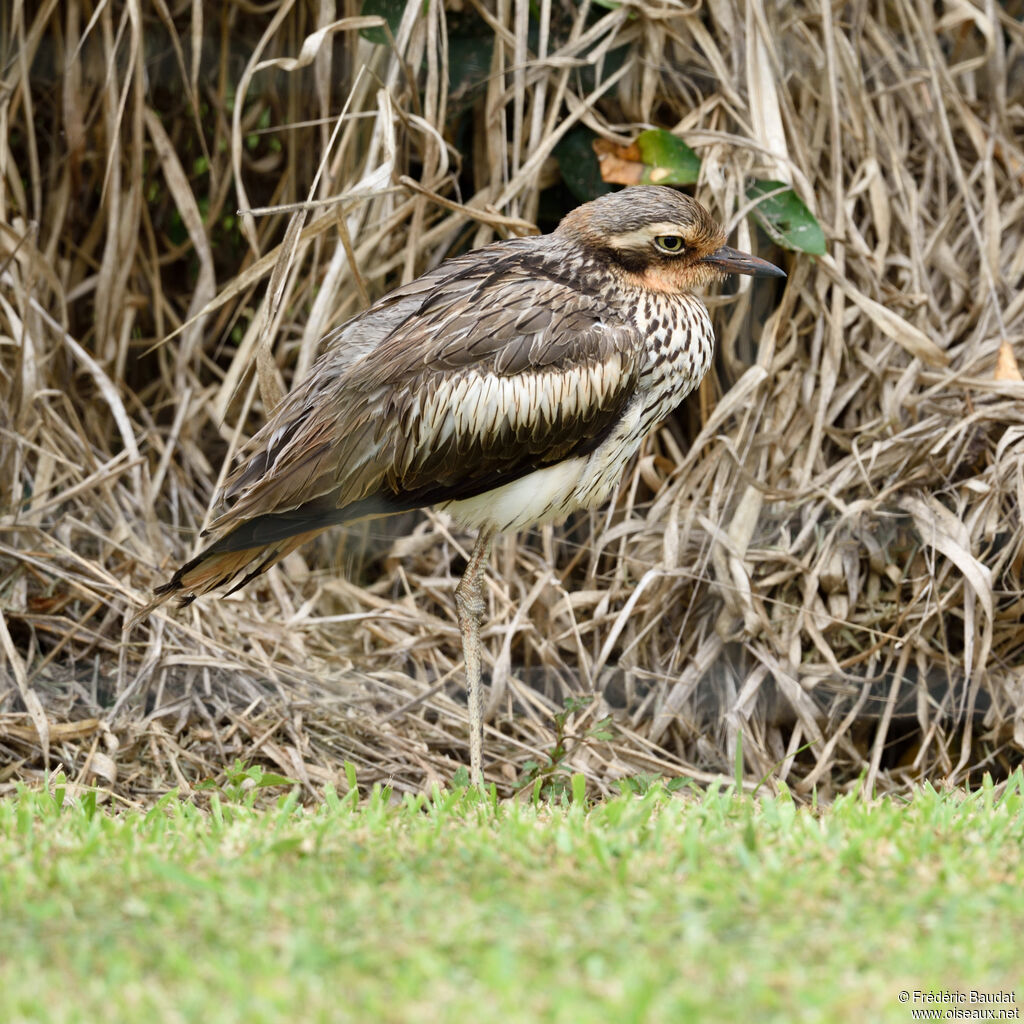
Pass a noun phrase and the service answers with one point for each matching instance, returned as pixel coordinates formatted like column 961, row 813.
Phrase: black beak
column 732, row 261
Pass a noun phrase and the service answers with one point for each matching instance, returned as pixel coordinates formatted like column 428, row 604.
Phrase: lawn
column 653, row 906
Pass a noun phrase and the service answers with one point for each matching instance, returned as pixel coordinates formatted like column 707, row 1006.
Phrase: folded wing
column 495, row 373
column 467, row 379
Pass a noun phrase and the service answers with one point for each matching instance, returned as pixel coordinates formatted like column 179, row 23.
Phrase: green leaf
column 578, row 163
column 287, row 845
column 750, row 834
column 670, row 160
column 59, row 789
column 391, row 11
column 579, row 788
column 786, row 219
column 270, row 779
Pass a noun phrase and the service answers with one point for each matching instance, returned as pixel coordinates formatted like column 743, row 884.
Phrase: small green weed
column 552, row 779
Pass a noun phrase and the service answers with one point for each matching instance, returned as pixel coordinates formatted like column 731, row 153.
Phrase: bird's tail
column 252, row 546
column 222, row 564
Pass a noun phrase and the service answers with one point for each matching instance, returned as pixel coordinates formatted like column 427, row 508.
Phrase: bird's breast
column 679, row 343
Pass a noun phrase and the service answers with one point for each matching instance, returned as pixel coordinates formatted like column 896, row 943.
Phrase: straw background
column 821, row 551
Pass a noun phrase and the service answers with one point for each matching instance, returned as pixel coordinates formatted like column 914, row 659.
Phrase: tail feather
column 215, row 568
column 248, row 550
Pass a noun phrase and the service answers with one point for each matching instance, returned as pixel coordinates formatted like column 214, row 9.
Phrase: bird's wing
column 493, row 370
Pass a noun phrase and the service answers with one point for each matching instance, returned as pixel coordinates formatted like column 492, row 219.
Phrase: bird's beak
column 732, row 261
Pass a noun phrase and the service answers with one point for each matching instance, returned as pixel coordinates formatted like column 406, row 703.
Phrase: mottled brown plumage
column 510, row 386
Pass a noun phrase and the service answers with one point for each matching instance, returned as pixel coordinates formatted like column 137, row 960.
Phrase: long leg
column 469, row 604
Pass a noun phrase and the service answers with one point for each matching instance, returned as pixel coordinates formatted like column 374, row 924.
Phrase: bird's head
column 659, row 239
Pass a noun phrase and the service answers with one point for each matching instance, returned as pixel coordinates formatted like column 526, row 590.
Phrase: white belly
column 550, row 494
column 539, row 497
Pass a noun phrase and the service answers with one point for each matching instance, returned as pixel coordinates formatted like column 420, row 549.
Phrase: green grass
column 655, row 907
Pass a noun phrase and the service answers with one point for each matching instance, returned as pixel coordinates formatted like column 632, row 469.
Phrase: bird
column 509, row 387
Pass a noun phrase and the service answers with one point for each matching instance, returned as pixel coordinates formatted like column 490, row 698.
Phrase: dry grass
column 823, row 550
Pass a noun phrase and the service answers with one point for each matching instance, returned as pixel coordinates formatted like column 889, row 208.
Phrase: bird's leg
column 469, row 604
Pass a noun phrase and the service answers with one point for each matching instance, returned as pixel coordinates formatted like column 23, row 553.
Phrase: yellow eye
column 673, row 245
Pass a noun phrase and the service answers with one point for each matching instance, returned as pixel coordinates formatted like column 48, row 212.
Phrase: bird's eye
column 673, row 245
